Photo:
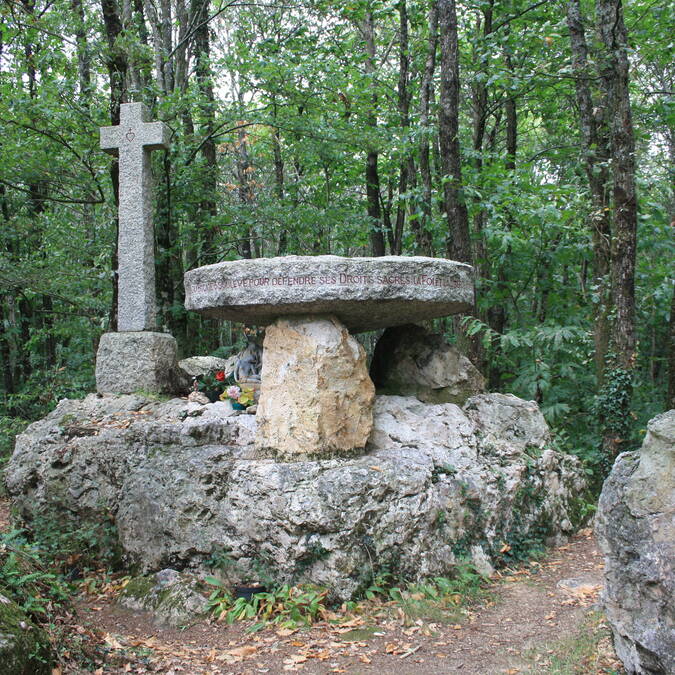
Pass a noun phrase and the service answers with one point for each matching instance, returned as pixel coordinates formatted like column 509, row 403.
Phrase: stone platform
column 363, row 293
column 436, row 483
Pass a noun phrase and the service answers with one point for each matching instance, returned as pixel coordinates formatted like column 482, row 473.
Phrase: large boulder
column 411, row 361
column 437, row 484
column 317, row 398
column 635, row 525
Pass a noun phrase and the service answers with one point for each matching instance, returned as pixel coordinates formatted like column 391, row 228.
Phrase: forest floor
column 527, row 622
column 541, row 618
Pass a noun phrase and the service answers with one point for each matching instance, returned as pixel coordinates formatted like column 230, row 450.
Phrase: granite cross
column 132, row 141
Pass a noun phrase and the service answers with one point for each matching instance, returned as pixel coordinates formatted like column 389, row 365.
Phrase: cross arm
column 110, row 139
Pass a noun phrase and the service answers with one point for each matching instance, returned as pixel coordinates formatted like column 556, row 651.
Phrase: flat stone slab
column 364, row 293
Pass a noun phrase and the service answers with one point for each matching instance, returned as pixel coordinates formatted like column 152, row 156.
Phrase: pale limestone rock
column 635, row 526
column 198, row 397
column 171, row 597
column 434, row 486
column 317, row 398
column 411, row 361
column 202, row 365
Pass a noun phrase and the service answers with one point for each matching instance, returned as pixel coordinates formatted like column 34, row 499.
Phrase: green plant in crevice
column 286, row 606
column 220, row 599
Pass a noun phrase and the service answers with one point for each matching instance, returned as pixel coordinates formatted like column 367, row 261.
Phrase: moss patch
column 24, row 647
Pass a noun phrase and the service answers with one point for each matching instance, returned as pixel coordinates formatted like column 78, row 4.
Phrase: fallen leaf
column 238, row 652
column 364, row 659
column 112, row 641
column 285, row 632
column 376, row 468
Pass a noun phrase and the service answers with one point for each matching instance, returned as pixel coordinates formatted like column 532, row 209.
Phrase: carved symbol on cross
column 133, row 140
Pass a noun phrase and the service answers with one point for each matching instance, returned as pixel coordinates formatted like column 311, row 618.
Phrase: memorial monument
column 137, row 357
column 366, row 484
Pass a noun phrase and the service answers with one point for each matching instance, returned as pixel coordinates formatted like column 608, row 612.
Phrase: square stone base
column 136, row 361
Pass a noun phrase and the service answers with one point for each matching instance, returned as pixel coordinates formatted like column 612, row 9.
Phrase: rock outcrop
column 411, row 361
column 437, row 483
column 318, row 399
column 203, row 365
column 173, row 598
column 635, row 525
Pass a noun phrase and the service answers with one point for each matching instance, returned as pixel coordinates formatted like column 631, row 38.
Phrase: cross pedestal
column 137, row 357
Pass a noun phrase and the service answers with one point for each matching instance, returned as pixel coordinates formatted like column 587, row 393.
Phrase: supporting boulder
column 316, row 399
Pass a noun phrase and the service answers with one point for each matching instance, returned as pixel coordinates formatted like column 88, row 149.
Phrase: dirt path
column 515, row 631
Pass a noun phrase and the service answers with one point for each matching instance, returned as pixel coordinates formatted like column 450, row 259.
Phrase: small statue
column 249, row 363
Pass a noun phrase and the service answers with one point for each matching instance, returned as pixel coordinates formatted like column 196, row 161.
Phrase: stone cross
column 132, row 141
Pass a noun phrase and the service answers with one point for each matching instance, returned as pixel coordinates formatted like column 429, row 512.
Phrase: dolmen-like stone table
column 316, row 397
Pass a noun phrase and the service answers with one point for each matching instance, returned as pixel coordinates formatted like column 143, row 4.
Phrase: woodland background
column 534, row 140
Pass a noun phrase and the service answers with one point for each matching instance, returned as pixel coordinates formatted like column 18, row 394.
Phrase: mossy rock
column 24, row 647
column 172, row 597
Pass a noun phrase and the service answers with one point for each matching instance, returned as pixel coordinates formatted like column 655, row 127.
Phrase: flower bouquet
column 241, row 398
column 212, row 384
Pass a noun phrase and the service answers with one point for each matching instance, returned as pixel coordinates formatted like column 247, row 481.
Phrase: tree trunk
column 458, row 241
column 670, row 402
column 407, row 168
column 377, row 240
column 278, row 177
column 421, row 228
column 207, row 104
column 83, row 56
column 594, row 135
column 117, row 65
column 614, row 73
column 244, row 170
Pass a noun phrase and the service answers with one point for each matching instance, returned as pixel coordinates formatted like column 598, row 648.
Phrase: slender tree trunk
column 614, row 72
column 373, row 197
column 207, row 104
column 244, row 170
column 670, row 403
column 8, row 346
column 278, row 176
column 458, row 241
column 83, row 56
column 421, row 229
column 480, row 115
column 407, row 168
column 117, row 65
column 595, row 139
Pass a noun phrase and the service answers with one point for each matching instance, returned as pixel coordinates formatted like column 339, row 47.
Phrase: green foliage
column 286, row 606
column 76, row 546
column 25, row 573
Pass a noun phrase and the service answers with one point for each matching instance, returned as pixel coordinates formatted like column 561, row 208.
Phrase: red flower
column 220, row 375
